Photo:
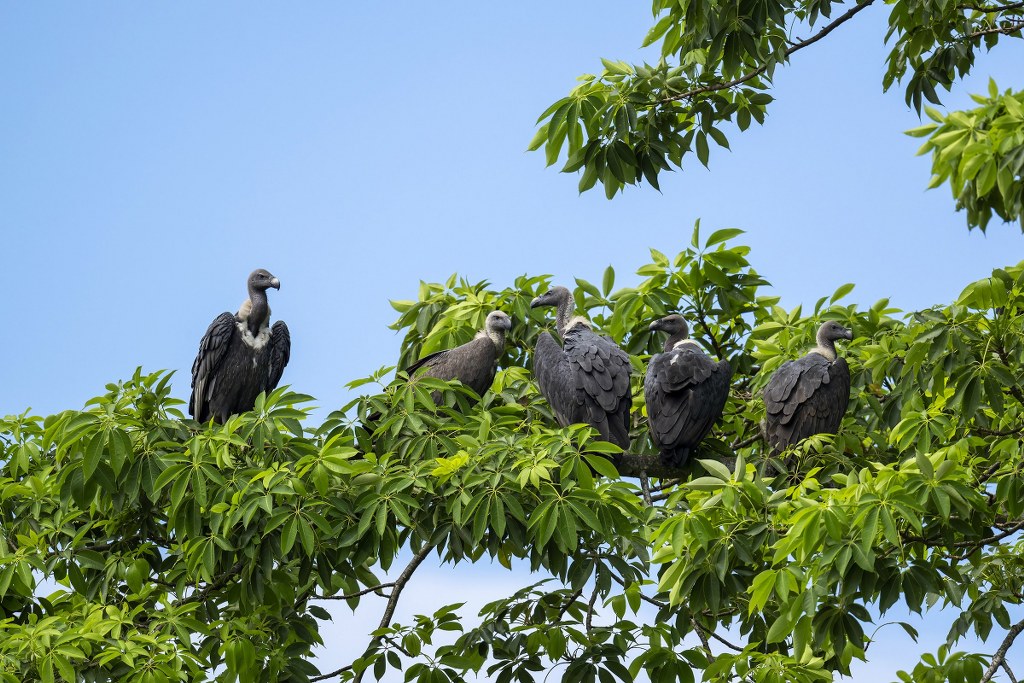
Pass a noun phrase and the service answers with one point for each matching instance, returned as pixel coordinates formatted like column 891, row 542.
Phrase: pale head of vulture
column 261, row 280
column 828, row 333
column 495, row 327
column 678, row 331
column 561, row 298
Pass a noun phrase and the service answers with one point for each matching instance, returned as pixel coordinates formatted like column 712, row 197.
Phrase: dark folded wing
column 686, row 392
column 212, row 349
column 555, row 380
column 280, row 354
column 472, row 363
column 601, row 371
column 804, row 397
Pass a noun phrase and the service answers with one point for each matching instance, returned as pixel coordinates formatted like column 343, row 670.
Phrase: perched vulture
column 808, row 395
column 586, row 381
column 472, row 363
column 685, row 391
column 239, row 356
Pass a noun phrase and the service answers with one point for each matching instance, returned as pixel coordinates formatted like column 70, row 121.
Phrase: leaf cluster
column 138, row 545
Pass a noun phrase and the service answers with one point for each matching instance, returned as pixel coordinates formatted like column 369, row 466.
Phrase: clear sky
column 152, row 155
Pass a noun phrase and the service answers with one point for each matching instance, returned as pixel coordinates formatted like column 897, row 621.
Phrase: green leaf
column 602, row 466
column 716, row 469
column 722, row 235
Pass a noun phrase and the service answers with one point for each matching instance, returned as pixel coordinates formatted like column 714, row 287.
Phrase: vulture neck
column 826, row 347
column 683, row 343
column 497, row 337
column 258, row 311
column 677, row 340
column 564, row 318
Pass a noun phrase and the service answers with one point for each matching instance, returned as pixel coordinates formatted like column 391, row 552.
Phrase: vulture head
column 498, row 321
column 255, row 309
column 676, row 327
column 261, row 280
column 561, row 298
column 828, row 333
column 497, row 324
column 556, row 296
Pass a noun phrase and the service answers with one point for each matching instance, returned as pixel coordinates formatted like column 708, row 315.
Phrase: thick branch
column 761, row 69
column 1000, row 656
column 635, row 465
column 703, row 639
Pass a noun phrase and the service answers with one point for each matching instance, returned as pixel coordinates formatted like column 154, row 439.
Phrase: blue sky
column 152, row 155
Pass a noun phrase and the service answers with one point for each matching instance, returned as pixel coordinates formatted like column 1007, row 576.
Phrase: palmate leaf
column 244, row 529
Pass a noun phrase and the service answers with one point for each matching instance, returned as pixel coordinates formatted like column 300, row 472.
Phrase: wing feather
column 212, row 349
column 686, row 392
column 805, row 397
column 280, row 354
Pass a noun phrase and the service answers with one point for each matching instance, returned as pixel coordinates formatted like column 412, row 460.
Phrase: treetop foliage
column 139, row 545
column 629, row 122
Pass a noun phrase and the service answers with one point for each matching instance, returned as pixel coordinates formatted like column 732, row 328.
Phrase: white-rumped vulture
column 239, row 356
column 587, row 381
column 685, row 392
column 472, row 363
column 808, row 395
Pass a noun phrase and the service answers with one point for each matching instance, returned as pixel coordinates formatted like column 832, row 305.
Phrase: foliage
column 138, row 545
column 715, row 65
column 981, row 153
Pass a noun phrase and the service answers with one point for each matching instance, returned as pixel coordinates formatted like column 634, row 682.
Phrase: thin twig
column 1005, row 30
column 761, row 69
column 336, row 672
column 1009, row 672
column 568, row 603
column 723, row 641
column 214, row 585
column 736, row 445
column 645, row 488
column 992, row 10
column 1000, row 656
column 397, row 646
column 349, row 596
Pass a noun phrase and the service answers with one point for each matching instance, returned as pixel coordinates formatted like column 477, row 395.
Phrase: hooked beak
column 849, row 334
column 536, row 302
column 656, row 325
column 275, row 283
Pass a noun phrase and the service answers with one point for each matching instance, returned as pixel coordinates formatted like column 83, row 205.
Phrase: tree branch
column 634, row 465
column 703, row 639
column 396, row 592
column 1000, row 656
column 761, row 69
column 590, row 609
column 992, row 10
column 349, row 596
column 1005, row 30
column 218, row 583
column 645, row 488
